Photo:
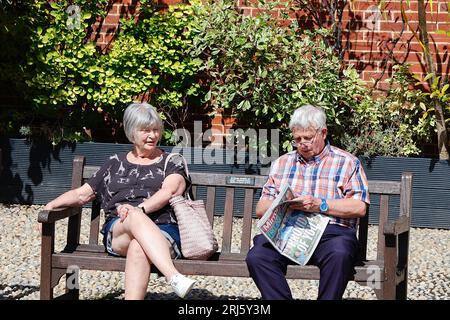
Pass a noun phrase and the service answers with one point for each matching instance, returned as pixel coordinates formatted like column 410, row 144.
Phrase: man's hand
column 308, row 204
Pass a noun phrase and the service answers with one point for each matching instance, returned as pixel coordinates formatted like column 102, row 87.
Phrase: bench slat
column 95, row 223
column 228, row 221
column 384, row 212
column 220, row 179
column 384, row 187
column 225, row 268
column 247, row 221
column 74, row 224
column 210, row 201
column 363, row 234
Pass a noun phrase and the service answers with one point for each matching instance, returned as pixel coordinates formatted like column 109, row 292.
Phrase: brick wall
column 369, row 34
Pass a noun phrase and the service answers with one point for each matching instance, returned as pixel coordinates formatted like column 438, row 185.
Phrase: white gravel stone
column 429, row 266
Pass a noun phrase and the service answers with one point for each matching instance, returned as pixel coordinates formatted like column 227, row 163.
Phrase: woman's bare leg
column 141, row 228
column 137, row 272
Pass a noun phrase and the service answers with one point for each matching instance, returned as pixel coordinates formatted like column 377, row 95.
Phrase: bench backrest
column 250, row 184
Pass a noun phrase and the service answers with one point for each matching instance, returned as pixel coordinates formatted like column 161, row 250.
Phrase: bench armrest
column 397, row 227
column 51, row 216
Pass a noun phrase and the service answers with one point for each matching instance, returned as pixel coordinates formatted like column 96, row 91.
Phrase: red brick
column 124, row 2
column 249, row 3
column 417, row 68
column 274, row 13
column 217, row 120
column 123, row 10
column 361, row 5
column 393, row 26
column 229, row 121
column 246, row 11
column 106, row 38
column 168, row 2
column 111, row 19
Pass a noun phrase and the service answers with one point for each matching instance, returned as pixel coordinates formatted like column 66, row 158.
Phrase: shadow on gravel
column 195, row 294
column 15, row 292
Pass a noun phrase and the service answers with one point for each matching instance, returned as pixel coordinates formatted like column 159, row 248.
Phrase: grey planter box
column 431, row 186
column 37, row 173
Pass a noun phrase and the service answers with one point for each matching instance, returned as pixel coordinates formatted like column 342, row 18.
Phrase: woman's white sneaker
column 181, row 284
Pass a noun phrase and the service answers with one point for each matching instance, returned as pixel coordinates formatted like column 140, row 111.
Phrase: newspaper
column 294, row 233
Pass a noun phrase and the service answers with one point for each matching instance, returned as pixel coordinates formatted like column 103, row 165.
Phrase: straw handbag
column 196, row 234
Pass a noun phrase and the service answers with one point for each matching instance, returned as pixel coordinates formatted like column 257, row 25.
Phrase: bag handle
column 188, row 190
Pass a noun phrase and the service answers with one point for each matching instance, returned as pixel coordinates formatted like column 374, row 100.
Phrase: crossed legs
column 140, row 240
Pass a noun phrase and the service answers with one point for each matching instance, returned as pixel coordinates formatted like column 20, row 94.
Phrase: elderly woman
column 134, row 192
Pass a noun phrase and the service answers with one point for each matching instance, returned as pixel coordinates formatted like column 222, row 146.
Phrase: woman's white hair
column 308, row 116
column 140, row 116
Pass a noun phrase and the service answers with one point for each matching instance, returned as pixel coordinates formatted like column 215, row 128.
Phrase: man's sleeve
column 272, row 185
column 357, row 186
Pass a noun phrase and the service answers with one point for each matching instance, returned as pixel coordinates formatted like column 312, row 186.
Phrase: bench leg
column 47, row 245
column 46, row 290
column 388, row 287
column 396, row 267
column 72, row 283
column 401, row 291
column 387, row 291
column 403, row 250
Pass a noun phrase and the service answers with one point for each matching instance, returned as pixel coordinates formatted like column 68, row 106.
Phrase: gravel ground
column 429, row 267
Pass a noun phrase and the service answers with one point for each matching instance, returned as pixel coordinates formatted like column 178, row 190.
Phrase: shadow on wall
column 11, row 186
column 20, row 156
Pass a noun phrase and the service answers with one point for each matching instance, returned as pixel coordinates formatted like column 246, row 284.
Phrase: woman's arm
column 73, row 198
column 173, row 185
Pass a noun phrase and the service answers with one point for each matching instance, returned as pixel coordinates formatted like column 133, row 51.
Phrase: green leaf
column 86, row 15
column 428, row 76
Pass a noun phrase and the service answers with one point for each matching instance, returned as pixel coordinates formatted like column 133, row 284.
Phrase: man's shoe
column 181, row 284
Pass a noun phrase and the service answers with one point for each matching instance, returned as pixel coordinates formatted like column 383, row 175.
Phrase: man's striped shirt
column 332, row 174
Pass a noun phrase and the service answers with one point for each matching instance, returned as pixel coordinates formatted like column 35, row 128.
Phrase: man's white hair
column 308, row 116
column 140, row 116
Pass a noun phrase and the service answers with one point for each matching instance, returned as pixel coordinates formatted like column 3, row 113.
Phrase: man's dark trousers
column 335, row 256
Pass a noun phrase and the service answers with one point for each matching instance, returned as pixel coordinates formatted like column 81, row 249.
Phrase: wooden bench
column 388, row 272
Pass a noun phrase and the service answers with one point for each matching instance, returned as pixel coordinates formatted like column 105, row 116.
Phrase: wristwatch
column 142, row 208
column 323, row 206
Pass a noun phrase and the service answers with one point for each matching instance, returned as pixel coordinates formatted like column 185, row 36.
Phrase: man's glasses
column 306, row 141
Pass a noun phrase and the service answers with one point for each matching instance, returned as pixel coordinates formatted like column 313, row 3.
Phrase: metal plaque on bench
column 242, row 181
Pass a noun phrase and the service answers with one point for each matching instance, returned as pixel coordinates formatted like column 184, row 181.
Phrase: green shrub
column 260, row 72
column 394, row 124
column 72, row 85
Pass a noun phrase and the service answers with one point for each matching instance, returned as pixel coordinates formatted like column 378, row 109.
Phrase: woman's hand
column 122, row 211
column 48, row 206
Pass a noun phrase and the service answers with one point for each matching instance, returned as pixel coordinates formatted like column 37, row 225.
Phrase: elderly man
column 327, row 180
